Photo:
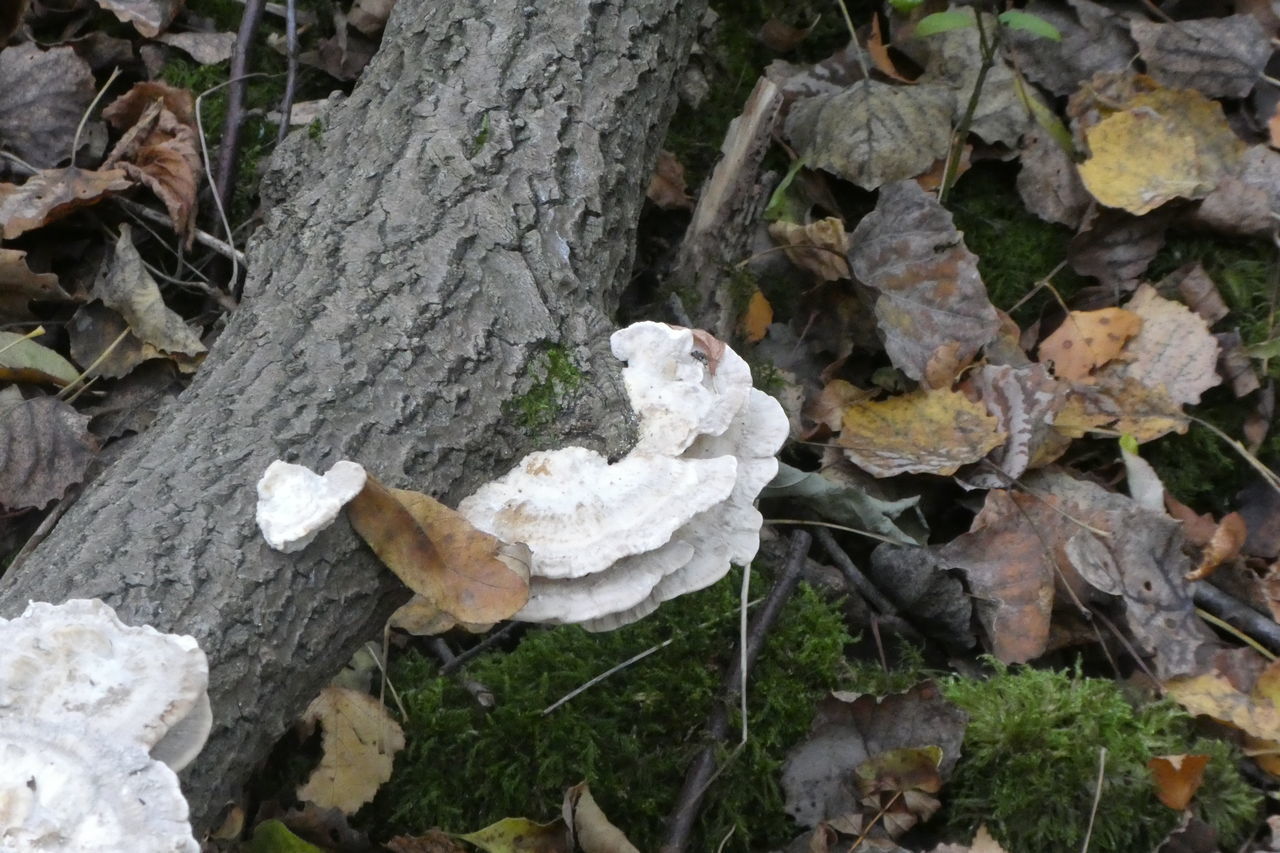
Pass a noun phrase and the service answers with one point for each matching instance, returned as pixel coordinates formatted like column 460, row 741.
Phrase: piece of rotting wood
column 728, row 208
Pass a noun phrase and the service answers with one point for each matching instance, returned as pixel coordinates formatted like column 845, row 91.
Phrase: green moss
column 1015, row 248
column 555, row 376
column 1029, row 766
column 1242, row 269
column 631, row 736
column 315, row 129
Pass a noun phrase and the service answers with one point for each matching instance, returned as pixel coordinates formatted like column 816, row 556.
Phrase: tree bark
column 469, row 206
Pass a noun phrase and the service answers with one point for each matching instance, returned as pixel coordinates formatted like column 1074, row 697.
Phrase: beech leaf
column 469, row 575
column 360, row 744
column 932, row 432
column 929, row 292
column 45, row 447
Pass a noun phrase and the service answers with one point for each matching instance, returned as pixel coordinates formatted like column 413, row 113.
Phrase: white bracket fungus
column 610, row 542
column 95, row 717
column 295, row 503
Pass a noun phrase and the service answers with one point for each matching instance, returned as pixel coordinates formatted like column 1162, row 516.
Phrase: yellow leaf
column 1166, row 144
column 1087, row 340
column 1213, row 695
column 469, row 575
column 360, row 743
column 932, row 432
column 519, row 834
column 758, row 316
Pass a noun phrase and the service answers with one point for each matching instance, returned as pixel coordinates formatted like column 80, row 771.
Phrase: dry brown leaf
column 160, row 151
column 421, row 618
column 757, row 317
column 1048, row 182
column 370, row 16
column 126, row 287
column 1198, row 291
column 128, row 109
column 53, row 194
column 94, row 330
column 1087, row 340
column 360, row 744
column 589, row 829
column 1221, row 57
column 1120, row 405
column 818, row 247
column 896, row 791
column 469, row 575
column 879, row 53
column 1242, row 202
column 1024, row 401
column 1116, row 247
column 1173, row 351
column 1235, row 365
column 1095, row 38
column 781, row 37
column 667, row 188
column 850, row 729
column 43, row 94
column 873, row 133
column 1135, row 554
column 45, row 447
column 19, row 286
column 929, row 292
column 932, row 432
column 1007, row 558
column 1225, row 544
column 149, row 17
column 204, row 48
column 1177, row 778
column 1171, row 143
column 828, row 407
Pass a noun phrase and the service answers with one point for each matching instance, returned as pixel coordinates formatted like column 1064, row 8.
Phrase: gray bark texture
column 469, row 206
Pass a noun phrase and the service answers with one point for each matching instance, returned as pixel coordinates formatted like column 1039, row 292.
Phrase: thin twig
column 84, row 117
column 204, row 238
column 484, row 645
column 291, row 77
column 483, row 695
column 1240, row 615
column 1097, row 797
column 852, row 574
column 703, row 770
column 229, row 150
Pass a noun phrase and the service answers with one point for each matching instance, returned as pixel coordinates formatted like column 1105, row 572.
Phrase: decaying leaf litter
column 998, row 445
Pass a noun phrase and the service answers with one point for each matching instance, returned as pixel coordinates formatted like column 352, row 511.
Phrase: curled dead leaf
column 469, row 575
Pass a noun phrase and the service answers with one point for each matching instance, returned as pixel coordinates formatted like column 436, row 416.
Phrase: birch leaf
column 360, row 744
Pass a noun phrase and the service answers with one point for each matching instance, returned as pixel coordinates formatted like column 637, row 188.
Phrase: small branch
column 702, row 771
column 204, row 238
column 1238, row 614
column 480, row 647
column 483, row 695
column 229, row 150
column 862, row 585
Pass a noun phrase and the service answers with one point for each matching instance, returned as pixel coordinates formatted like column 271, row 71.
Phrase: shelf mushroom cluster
column 95, row 718
column 612, row 541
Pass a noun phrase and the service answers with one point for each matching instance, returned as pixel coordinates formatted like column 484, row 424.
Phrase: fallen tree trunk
column 463, row 221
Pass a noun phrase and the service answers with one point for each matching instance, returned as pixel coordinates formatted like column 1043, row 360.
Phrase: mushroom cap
column 65, row 786
column 677, row 389
column 620, row 587
column 295, row 503
column 78, row 663
column 729, row 532
column 579, row 514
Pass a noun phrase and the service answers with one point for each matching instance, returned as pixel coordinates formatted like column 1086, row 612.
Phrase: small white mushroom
column 65, row 787
column 78, row 663
column 295, row 503
column 579, row 514
column 677, row 389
